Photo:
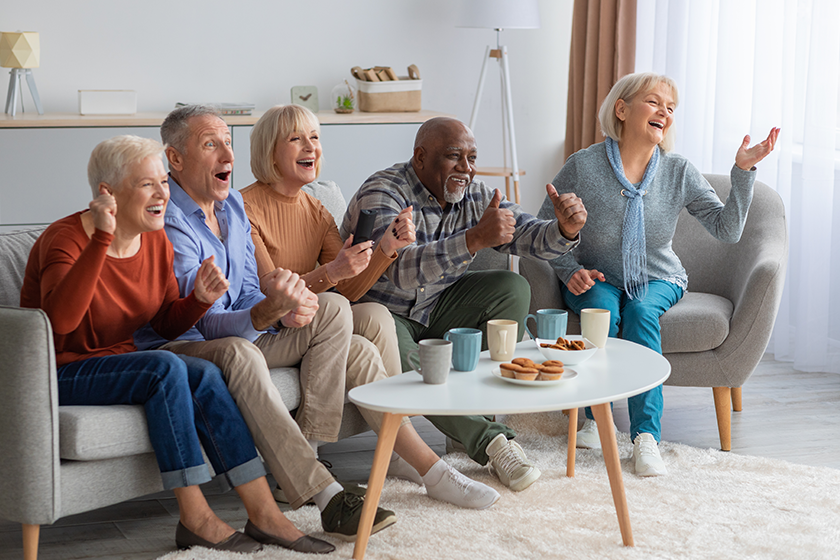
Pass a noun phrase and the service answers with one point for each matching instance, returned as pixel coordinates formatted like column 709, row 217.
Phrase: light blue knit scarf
column 633, row 247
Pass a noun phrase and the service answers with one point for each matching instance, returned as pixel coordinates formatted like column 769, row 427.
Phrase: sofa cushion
column 14, row 252
column 698, row 322
column 91, row 433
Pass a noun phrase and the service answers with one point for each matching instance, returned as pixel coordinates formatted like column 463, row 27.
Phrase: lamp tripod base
column 16, row 90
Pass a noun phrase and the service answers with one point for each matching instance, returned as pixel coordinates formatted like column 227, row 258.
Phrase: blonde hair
column 111, row 159
column 277, row 124
column 627, row 88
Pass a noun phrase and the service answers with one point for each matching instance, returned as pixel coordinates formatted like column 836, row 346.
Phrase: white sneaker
column 457, row 489
column 647, row 458
column 508, row 460
column 399, row 468
column 587, row 436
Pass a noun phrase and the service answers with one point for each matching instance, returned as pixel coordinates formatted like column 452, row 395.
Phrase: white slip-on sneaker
column 508, row 461
column 587, row 436
column 646, row 456
column 457, row 489
column 399, row 468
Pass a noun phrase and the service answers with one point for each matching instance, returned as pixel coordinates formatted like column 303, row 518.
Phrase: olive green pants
column 470, row 302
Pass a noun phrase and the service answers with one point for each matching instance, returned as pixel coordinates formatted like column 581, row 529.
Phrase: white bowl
column 568, row 357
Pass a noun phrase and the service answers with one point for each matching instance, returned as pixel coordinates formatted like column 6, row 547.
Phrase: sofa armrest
column 29, row 465
column 545, row 286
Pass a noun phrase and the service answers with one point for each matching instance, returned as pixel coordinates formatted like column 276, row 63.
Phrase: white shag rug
column 711, row 505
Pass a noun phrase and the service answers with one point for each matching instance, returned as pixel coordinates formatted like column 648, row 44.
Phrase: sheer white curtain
column 743, row 67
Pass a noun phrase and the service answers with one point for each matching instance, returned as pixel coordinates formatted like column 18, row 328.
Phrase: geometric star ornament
column 20, row 50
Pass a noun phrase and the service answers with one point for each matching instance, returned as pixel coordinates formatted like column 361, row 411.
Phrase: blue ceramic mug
column 551, row 323
column 466, row 348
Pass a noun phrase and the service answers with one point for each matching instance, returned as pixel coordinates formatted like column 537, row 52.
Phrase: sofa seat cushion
column 91, row 433
column 698, row 322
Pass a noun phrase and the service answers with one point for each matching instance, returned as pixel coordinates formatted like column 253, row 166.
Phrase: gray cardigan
column 677, row 185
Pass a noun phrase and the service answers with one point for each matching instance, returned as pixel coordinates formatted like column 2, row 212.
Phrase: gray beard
column 453, row 197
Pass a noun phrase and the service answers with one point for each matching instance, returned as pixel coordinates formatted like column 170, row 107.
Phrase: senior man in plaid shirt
column 428, row 288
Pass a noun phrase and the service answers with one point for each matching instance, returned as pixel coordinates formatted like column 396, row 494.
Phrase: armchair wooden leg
column 724, row 416
column 736, row 399
column 30, row 541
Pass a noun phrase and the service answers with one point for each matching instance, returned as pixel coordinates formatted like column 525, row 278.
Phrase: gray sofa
column 716, row 335
column 61, row 460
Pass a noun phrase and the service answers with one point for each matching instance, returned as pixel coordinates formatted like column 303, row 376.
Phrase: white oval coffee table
column 622, row 369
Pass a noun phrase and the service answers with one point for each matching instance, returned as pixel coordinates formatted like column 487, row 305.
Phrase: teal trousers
column 470, row 302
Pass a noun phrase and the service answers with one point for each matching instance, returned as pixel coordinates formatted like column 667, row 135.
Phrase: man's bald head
column 444, row 158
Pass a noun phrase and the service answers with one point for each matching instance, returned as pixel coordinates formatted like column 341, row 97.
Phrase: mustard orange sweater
column 297, row 233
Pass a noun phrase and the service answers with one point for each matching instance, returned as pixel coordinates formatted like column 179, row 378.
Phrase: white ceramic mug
column 595, row 325
column 502, row 335
column 435, row 357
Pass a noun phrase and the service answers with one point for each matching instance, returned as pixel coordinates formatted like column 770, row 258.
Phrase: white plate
column 568, row 357
column 568, row 374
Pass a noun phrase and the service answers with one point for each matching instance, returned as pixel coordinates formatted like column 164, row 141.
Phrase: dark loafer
column 303, row 544
column 237, row 542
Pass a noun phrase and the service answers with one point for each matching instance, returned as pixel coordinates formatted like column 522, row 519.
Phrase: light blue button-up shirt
column 193, row 242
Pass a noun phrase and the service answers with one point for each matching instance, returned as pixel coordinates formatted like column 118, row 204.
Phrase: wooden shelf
column 74, row 120
column 497, row 171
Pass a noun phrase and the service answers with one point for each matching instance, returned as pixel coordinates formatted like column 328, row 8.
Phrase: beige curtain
column 603, row 50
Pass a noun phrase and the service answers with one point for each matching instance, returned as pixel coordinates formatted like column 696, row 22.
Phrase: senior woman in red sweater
column 103, row 273
column 292, row 230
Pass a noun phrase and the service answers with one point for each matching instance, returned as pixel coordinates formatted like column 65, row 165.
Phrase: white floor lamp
column 499, row 15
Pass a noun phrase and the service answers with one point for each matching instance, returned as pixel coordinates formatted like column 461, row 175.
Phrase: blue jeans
column 639, row 321
column 186, row 402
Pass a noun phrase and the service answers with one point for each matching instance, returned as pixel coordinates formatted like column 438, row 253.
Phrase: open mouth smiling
column 657, row 124
column 223, row 176
column 306, row 163
column 157, row 209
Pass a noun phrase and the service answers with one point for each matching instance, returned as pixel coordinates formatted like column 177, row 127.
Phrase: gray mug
column 435, row 355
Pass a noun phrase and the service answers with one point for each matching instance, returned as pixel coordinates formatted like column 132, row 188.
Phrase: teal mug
column 466, row 348
column 551, row 323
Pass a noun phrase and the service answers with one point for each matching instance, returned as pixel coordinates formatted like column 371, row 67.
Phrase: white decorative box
column 107, row 102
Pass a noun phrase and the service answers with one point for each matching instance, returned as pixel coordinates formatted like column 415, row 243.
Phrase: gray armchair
column 716, row 335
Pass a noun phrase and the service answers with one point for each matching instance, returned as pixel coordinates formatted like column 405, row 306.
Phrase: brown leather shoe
column 237, row 542
column 303, row 544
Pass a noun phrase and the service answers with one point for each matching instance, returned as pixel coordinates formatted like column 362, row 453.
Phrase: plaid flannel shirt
column 412, row 284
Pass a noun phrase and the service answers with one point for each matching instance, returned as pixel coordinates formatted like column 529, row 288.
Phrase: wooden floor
column 787, row 415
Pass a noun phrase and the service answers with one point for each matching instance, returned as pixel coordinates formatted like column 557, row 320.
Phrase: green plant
column 345, row 102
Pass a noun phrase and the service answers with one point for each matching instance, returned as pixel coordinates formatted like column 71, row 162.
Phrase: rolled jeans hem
column 241, row 474
column 190, row 476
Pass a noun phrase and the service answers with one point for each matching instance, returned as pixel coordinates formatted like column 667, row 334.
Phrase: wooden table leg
column 30, row 541
column 381, row 459
column 609, row 446
column 571, row 451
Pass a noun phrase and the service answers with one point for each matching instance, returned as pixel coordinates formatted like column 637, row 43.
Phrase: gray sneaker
column 508, row 460
column 340, row 518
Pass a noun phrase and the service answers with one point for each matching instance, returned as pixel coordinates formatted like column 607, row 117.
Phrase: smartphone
column 364, row 226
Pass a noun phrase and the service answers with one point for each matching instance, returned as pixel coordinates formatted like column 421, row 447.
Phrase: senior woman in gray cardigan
column 634, row 189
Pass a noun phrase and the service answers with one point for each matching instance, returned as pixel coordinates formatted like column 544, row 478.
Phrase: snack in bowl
column 574, row 350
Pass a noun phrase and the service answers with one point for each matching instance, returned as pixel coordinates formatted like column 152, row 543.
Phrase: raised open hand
column 569, row 210
column 210, row 281
column 747, row 157
column 400, row 233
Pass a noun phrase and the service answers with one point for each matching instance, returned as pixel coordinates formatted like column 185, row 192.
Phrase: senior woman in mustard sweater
column 292, row 230
column 634, row 189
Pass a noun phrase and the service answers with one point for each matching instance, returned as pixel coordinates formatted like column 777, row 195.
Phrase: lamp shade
column 20, row 50
column 499, row 14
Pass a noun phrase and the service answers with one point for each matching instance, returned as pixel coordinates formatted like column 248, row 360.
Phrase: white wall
column 255, row 51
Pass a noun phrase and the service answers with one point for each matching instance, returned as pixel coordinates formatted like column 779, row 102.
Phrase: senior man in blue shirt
column 428, row 288
column 246, row 331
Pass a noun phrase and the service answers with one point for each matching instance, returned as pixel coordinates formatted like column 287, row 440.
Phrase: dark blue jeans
column 186, row 402
column 639, row 322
